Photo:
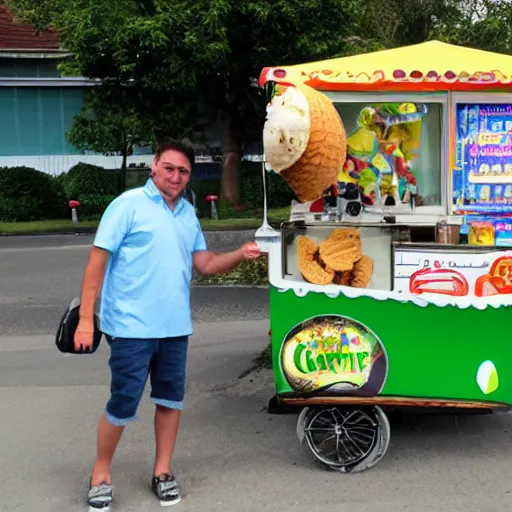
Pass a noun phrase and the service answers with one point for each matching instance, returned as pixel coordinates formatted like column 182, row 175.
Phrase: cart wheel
column 344, row 439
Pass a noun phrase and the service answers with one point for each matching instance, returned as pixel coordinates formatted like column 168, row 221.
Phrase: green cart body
column 343, row 354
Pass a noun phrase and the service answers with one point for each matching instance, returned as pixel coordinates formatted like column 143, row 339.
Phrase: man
column 147, row 242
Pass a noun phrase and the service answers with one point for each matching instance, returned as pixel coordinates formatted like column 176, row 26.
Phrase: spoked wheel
column 344, row 439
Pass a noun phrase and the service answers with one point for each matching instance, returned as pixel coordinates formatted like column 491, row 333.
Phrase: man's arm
column 208, row 263
column 91, row 286
column 92, row 282
column 114, row 226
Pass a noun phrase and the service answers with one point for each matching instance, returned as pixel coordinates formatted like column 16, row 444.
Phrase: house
column 37, row 103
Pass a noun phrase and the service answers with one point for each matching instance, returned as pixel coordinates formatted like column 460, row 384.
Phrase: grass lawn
column 251, row 221
column 44, row 226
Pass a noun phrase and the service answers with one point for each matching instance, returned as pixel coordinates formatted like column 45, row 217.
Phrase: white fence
column 59, row 164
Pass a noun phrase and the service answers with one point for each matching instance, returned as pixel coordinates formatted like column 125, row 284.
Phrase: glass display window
column 326, row 254
column 398, row 140
column 482, row 167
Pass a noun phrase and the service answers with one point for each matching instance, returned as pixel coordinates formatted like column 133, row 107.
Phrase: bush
column 85, row 180
column 227, row 211
column 18, row 210
column 27, row 194
column 248, row 273
column 279, row 194
column 93, row 206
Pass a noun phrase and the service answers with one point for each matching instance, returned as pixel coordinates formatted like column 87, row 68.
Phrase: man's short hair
column 168, row 144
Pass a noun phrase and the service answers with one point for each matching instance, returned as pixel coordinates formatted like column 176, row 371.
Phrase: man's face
column 171, row 173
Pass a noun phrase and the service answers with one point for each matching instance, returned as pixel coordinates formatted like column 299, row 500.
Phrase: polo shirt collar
column 152, row 191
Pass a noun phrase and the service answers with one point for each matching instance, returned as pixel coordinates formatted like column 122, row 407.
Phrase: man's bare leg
column 166, row 431
column 108, row 439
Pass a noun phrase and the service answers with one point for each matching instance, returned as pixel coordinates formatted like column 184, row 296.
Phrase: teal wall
column 34, row 120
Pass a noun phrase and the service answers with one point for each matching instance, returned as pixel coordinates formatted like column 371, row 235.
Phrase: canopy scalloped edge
column 428, row 66
column 328, row 80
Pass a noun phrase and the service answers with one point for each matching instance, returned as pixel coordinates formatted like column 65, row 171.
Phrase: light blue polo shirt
column 146, row 289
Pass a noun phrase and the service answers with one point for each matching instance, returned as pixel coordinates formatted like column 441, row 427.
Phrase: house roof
column 18, row 36
column 432, row 65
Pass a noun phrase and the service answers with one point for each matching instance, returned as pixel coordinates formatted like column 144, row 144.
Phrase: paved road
column 232, row 456
column 40, row 275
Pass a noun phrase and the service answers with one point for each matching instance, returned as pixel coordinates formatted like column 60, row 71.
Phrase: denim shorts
column 132, row 361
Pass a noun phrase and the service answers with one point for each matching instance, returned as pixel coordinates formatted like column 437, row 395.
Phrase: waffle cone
column 325, row 154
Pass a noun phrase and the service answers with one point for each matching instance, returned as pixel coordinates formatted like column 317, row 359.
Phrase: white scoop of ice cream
column 287, row 129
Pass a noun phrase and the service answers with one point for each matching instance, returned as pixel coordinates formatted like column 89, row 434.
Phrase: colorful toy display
column 381, row 153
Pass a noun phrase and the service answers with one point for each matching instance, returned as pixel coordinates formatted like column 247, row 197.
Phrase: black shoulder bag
column 65, row 336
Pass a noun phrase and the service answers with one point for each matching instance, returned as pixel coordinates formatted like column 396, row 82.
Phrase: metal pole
column 265, row 229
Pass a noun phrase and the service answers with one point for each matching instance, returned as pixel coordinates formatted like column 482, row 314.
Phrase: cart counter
column 360, row 316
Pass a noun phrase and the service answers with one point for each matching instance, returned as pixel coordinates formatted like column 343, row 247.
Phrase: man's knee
column 121, row 409
column 168, row 378
column 129, row 365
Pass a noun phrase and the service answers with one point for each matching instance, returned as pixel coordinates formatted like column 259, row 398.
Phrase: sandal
column 166, row 489
column 100, row 497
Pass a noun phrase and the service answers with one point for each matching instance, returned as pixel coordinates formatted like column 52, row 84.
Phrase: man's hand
column 84, row 336
column 250, row 251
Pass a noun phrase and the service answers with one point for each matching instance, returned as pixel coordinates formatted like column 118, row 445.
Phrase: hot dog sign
column 456, row 274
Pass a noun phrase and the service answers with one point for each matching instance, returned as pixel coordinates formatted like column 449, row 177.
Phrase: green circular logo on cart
column 336, row 355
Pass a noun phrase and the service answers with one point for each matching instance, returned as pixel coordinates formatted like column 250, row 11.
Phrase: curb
column 91, row 231
column 85, row 231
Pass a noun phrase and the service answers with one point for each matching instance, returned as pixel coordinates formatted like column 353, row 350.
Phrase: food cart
column 390, row 284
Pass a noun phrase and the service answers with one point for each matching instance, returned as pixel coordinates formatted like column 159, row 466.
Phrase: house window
column 35, row 120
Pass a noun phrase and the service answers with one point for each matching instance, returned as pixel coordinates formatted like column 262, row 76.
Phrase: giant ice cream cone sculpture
column 304, row 141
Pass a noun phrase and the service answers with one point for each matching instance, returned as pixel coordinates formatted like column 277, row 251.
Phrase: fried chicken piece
column 343, row 278
column 341, row 249
column 340, row 255
column 313, row 270
column 343, row 234
column 362, row 273
column 306, row 248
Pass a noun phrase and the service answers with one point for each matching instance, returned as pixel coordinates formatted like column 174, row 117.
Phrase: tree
column 483, row 24
column 400, row 24
column 180, row 54
column 106, row 124
column 184, row 61
column 249, row 35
